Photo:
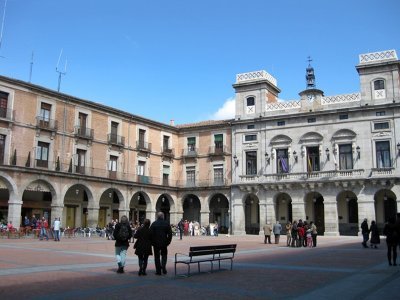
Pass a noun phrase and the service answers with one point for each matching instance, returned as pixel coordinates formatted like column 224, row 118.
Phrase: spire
column 310, row 76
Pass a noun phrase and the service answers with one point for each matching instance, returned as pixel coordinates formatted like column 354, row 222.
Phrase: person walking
column 56, row 228
column 143, row 246
column 181, row 228
column 392, row 239
column 267, row 233
column 43, row 229
column 161, row 236
column 122, row 235
column 365, row 232
column 294, row 234
column 277, row 231
column 375, row 239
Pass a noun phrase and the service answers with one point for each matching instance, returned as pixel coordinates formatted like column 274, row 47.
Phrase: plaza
column 84, row 268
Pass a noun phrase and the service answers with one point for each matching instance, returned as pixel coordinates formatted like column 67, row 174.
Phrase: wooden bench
column 203, row 254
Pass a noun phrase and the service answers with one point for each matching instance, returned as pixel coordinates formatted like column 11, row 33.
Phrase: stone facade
column 331, row 160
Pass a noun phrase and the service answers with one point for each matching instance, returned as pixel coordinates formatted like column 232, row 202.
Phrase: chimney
column 172, row 122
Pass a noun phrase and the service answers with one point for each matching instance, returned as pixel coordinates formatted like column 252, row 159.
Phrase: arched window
column 250, row 105
column 379, row 84
column 379, row 89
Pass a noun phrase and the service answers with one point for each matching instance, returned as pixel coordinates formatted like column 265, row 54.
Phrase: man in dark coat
column 143, row 246
column 365, row 233
column 161, row 236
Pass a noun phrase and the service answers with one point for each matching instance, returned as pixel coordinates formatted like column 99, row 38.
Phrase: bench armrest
column 185, row 256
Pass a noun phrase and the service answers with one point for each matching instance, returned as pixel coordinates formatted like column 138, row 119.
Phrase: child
column 309, row 238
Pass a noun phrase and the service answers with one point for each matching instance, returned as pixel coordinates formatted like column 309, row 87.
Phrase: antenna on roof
column 59, row 71
column 30, row 72
column 2, row 23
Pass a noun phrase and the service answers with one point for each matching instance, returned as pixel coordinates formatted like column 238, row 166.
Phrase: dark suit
column 161, row 236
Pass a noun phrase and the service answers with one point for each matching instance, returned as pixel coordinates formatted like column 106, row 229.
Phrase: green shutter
column 218, row 138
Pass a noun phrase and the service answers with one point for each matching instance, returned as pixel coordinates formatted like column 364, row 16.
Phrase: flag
column 284, row 165
column 309, row 164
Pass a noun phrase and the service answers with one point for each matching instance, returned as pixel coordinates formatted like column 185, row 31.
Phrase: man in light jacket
column 277, row 231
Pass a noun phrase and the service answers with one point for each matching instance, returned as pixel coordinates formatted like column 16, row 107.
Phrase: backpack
column 123, row 233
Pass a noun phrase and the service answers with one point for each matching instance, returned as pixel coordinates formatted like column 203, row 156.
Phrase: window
column 250, row 137
column 165, row 143
column 311, row 120
column 380, row 113
column 2, row 148
column 166, row 171
column 251, row 126
column 343, row 116
column 379, row 89
column 191, row 143
column 114, row 132
column 3, row 104
column 112, row 167
column 282, row 165
column 280, row 123
column 142, row 136
column 379, row 84
column 42, row 155
column 141, row 168
column 382, row 125
column 44, row 117
column 190, row 176
column 219, row 143
column 250, row 106
column 82, row 124
column 383, row 154
column 218, row 174
column 251, row 163
column 345, row 157
column 312, row 159
column 80, row 161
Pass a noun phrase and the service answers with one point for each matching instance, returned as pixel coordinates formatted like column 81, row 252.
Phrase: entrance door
column 102, row 217
column 70, row 217
column 319, row 216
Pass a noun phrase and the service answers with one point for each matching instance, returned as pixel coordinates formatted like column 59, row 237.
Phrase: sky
column 177, row 59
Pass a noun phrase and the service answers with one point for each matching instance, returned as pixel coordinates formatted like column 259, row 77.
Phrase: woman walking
column 143, row 246
column 375, row 239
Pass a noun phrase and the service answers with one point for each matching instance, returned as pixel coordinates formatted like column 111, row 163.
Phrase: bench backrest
column 211, row 250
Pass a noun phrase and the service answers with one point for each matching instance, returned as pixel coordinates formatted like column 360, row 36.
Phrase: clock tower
column 311, row 93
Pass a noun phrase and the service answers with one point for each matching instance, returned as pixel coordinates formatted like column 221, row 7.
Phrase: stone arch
column 38, row 197
column 385, row 206
column 283, row 207
column 251, row 205
column 347, row 206
column 165, row 204
column 315, row 210
column 191, row 205
column 219, row 211
column 139, row 206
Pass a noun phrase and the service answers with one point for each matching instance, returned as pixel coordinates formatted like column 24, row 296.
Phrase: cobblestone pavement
column 85, row 268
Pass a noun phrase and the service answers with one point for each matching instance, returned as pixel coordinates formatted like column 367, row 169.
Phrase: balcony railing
column 217, row 151
column 168, row 152
column 41, row 163
column 189, row 152
column 116, row 140
column 303, row 176
column 7, row 113
column 47, row 124
column 378, row 172
column 84, row 132
column 143, row 146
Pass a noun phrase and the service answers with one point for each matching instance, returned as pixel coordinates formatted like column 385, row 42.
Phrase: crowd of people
column 298, row 234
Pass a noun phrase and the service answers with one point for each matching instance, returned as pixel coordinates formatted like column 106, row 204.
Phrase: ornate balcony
column 46, row 124
column 167, row 152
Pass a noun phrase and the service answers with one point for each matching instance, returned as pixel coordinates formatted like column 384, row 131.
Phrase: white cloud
column 227, row 111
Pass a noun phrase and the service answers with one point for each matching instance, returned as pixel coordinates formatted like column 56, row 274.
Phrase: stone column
column 204, row 218
column 271, row 214
column 14, row 212
column 366, row 209
column 151, row 215
column 92, row 217
column 57, row 212
column 238, row 220
column 331, row 216
column 298, row 208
